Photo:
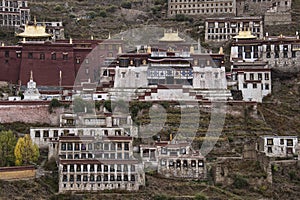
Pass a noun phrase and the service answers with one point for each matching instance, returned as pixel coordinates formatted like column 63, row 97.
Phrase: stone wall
column 37, row 113
column 275, row 18
column 12, row 173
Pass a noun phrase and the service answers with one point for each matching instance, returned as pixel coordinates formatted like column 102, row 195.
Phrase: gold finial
column 2, row 44
column 71, row 40
column 149, row 49
column 34, row 20
column 109, row 36
column 92, row 37
column 192, row 49
column 31, row 75
column 221, row 50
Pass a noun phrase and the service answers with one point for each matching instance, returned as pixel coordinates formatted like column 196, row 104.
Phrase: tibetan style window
column 132, row 178
column 65, row 178
column 200, row 163
column 259, row 76
column 6, row 54
column 164, row 150
column 267, row 76
column 37, row 134
column 269, row 141
column 78, row 168
column 270, row 150
column 98, row 178
column 185, row 163
column 55, row 133
column 289, row 142
column 178, row 163
column 92, row 178
column 182, row 151
column 53, row 56
column 193, row 163
column 126, row 146
column 30, row 55
column 42, row 56
column 163, row 162
column 281, row 141
column 46, row 134
column 78, row 178
column 64, row 168
column 65, row 56
column 63, row 146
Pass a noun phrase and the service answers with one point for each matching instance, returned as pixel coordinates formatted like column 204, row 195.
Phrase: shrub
column 111, row 9
column 126, row 4
column 240, row 182
column 103, row 14
column 54, row 103
column 200, row 197
column 58, row 8
column 180, row 18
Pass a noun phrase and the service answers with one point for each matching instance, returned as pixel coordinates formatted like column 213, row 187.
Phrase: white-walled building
column 170, row 70
column 221, row 29
column 253, row 79
column 174, row 160
column 14, row 13
column 278, row 146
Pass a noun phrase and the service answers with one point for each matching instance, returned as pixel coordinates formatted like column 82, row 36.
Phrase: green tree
column 26, row 152
column 7, row 144
column 80, row 105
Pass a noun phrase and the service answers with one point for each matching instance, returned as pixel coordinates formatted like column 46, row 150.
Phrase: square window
column 269, row 141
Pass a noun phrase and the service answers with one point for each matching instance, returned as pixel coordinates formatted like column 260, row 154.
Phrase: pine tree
column 7, row 145
column 25, row 151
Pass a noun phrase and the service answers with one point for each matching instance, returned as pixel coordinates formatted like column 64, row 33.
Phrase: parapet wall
column 15, row 173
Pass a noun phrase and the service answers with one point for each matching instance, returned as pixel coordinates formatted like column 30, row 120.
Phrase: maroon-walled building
column 47, row 58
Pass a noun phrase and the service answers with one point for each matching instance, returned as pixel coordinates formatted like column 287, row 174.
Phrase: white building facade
column 278, row 146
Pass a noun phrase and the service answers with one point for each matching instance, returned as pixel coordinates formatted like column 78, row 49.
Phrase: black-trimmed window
column 269, row 141
column 78, row 178
column 200, row 163
column 65, row 56
column 289, row 142
column 53, row 56
column 37, row 134
column 42, row 56
column 30, row 55
column 6, row 54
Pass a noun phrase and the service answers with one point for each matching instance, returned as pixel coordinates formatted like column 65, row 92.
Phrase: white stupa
column 31, row 93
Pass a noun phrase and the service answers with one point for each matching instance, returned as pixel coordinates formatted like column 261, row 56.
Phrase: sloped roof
column 34, row 31
column 244, row 35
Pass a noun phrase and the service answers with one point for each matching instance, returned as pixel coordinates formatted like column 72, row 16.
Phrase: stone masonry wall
column 28, row 114
column 12, row 173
